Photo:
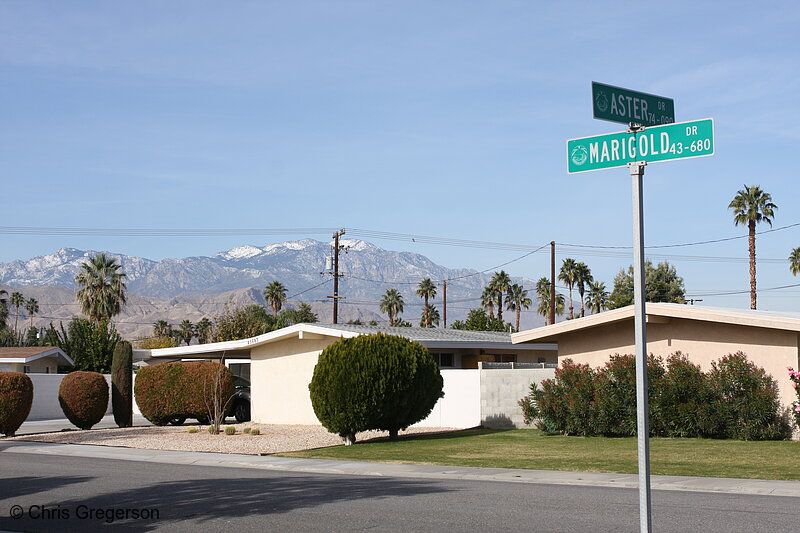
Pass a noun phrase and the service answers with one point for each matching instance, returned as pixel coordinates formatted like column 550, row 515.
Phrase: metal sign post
column 640, row 336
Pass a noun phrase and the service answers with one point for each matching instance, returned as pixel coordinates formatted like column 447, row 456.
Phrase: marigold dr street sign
column 681, row 140
column 623, row 105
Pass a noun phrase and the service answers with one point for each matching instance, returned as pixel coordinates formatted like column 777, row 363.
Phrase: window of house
column 26, row 369
column 47, row 370
column 541, row 360
column 505, row 358
column 444, row 360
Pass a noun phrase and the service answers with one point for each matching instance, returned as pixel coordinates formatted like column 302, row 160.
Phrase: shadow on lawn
column 474, row 432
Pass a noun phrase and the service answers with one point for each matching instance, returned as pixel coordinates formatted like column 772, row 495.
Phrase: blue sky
column 431, row 118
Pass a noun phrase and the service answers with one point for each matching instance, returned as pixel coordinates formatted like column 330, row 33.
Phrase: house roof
column 743, row 317
column 428, row 337
column 32, row 353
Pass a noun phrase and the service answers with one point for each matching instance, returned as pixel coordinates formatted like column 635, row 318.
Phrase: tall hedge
column 16, row 398
column 181, row 390
column 377, row 381
column 122, row 384
column 84, row 398
column 735, row 399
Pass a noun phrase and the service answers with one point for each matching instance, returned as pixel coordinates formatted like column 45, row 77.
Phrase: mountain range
column 194, row 287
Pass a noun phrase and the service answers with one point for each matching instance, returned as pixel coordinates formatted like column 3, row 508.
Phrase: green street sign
column 681, row 140
column 623, row 105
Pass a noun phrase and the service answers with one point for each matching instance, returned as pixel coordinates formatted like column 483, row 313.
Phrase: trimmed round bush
column 255, row 431
column 192, row 429
column 382, row 382
column 230, row 430
column 16, row 398
column 84, row 398
column 182, row 390
column 122, row 384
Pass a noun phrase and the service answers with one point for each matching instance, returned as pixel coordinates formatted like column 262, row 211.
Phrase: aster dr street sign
column 625, row 106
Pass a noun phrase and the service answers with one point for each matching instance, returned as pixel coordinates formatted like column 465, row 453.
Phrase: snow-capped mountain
column 368, row 271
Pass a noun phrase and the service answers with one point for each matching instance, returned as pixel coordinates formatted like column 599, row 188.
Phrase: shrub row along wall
column 735, row 399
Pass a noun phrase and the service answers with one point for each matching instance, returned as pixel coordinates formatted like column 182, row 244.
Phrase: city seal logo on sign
column 602, row 101
column 579, row 155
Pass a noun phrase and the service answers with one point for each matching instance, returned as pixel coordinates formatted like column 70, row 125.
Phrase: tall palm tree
column 392, row 304
column 500, row 283
column 568, row 275
column 750, row 206
column 426, row 289
column 583, row 277
column 431, row 314
column 517, row 298
column 487, row 300
column 32, row 307
column 3, row 308
column 187, row 331
column 17, row 300
column 794, row 261
column 162, row 328
column 275, row 294
column 102, row 290
column 204, row 329
column 597, row 298
column 543, row 295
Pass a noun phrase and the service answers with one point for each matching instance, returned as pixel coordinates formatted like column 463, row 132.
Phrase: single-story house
column 33, row 359
column 770, row 339
column 282, row 362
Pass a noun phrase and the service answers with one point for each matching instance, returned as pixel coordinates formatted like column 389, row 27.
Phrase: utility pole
column 552, row 282
column 444, row 305
column 336, row 275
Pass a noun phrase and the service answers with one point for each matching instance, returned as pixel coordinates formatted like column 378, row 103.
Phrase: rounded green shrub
column 122, row 384
column 84, row 398
column 379, row 381
column 255, row 431
column 16, row 398
column 192, row 429
column 187, row 390
column 246, row 430
column 230, row 430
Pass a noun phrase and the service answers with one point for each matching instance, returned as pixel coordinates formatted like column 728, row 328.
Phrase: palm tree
column 794, row 261
column 597, row 298
column 487, row 300
column 500, row 283
column 3, row 308
column 583, row 277
column 17, row 300
column 186, row 330
column 102, row 290
column 431, row 315
column 32, row 307
column 426, row 289
column 275, row 294
column 204, row 329
column 392, row 304
column 517, row 299
column 752, row 205
column 543, row 295
column 568, row 275
column 162, row 328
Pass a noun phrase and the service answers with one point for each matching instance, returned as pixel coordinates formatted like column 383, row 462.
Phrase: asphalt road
column 61, row 492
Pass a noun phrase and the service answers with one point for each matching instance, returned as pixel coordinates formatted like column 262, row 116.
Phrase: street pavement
column 72, row 487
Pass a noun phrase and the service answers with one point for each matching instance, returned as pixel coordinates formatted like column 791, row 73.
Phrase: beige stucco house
column 282, row 362
column 33, row 360
column 770, row 339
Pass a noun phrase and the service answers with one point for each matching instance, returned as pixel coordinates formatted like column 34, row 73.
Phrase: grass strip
column 532, row 449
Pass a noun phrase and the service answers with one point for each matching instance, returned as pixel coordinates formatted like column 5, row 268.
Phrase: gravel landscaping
column 273, row 438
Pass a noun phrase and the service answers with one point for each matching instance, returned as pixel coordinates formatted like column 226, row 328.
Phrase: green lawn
column 527, row 448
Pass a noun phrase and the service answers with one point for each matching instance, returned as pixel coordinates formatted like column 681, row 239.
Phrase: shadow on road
column 212, row 499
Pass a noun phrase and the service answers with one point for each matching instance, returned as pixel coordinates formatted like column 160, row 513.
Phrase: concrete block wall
column 45, row 396
column 501, row 389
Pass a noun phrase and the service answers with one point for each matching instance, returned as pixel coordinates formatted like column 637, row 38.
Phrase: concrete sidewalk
column 353, row 468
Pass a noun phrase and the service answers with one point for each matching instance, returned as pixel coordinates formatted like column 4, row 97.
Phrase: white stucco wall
column 45, row 396
column 461, row 406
